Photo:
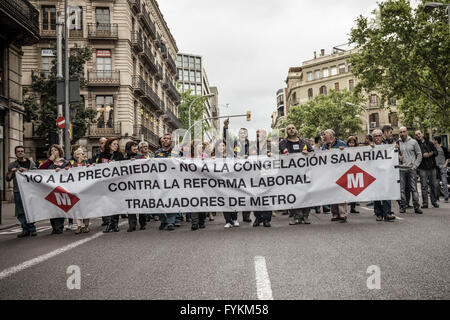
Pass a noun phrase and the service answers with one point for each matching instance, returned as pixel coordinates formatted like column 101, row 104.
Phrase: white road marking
column 263, row 287
column 30, row 263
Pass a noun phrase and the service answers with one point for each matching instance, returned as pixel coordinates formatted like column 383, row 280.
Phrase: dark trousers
column 197, row 218
column 428, row 180
column 57, row 224
column 26, row 227
column 382, row 208
column 246, row 215
column 114, row 220
column 262, row 216
column 230, row 216
column 132, row 220
column 409, row 178
column 106, row 219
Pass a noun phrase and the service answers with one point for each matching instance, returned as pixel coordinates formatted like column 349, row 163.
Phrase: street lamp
column 367, row 113
column 430, row 6
column 192, row 103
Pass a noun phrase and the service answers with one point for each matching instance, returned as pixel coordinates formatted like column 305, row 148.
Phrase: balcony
column 152, row 98
column 135, row 5
column 159, row 74
column 103, row 31
column 136, row 41
column 171, row 64
column 149, row 136
column 76, row 33
column 158, row 41
column 139, row 85
column 149, row 58
column 163, row 50
column 20, row 16
column 48, row 31
column 172, row 91
column 102, row 78
column 147, row 22
column 104, row 130
column 172, row 118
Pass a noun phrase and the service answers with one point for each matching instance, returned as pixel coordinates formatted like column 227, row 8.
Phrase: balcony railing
column 152, row 98
column 25, row 13
column 76, row 33
column 149, row 136
column 103, row 78
column 103, row 31
column 148, row 56
column 145, row 18
column 48, row 30
column 135, row 5
column 139, row 85
column 105, row 129
column 172, row 91
column 136, row 40
column 173, row 119
column 159, row 74
column 172, row 65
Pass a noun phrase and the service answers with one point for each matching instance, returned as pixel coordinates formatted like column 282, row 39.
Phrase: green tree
column 40, row 100
column 328, row 112
column 405, row 53
column 198, row 108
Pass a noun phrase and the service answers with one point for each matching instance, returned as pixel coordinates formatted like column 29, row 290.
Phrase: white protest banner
column 194, row 185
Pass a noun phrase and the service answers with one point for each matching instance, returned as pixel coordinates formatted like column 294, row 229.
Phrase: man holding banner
column 293, row 144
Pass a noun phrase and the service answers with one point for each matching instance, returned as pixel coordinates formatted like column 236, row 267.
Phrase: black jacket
column 107, row 157
column 427, row 147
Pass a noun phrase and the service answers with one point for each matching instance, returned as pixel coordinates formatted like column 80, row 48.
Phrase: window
column 333, row 71
column 105, row 111
column 198, row 76
column 47, row 60
column 185, row 61
column 180, row 74
column 325, row 72
column 350, row 84
column 374, row 119
column 192, row 76
column 341, row 68
column 75, row 18
column 309, row 76
column 191, row 62
column 392, row 102
column 310, row 94
column 393, row 119
column 317, row 74
column 323, row 90
column 336, row 86
column 349, row 67
column 179, row 60
column 104, row 63
column 103, row 19
column 373, row 100
column 49, row 18
column 199, row 89
column 185, row 75
column 198, row 63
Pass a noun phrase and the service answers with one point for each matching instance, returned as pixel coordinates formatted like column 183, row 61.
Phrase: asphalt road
column 324, row 260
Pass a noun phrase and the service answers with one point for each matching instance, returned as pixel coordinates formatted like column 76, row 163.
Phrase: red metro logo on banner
column 62, row 199
column 355, row 180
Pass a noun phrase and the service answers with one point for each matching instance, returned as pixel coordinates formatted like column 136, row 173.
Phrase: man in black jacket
column 427, row 170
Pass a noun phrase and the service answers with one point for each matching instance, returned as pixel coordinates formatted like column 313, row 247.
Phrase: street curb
column 10, row 226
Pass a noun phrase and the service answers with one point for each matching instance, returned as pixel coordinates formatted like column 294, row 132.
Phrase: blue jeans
column 27, row 227
column 443, row 175
column 409, row 178
column 382, row 208
column 168, row 218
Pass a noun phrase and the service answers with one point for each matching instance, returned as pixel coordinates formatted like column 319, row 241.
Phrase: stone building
column 131, row 77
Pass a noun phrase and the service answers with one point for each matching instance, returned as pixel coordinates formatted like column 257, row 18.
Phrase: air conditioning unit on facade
column 373, row 125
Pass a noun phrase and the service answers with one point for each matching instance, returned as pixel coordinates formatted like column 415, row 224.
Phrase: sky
column 248, row 46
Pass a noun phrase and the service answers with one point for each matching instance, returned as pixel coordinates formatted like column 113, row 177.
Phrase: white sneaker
column 235, row 223
column 228, row 226
column 69, row 227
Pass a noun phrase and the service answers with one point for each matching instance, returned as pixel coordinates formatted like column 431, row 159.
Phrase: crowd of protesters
column 418, row 158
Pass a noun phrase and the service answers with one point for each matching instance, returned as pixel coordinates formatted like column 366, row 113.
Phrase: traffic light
column 249, row 115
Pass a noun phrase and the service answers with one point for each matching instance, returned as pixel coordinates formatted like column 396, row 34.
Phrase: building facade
column 281, row 109
column 192, row 76
column 131, row 77
column 19, row 26
column 333, row 72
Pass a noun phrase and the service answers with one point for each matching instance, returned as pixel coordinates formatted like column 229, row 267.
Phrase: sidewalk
column 8, row 218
